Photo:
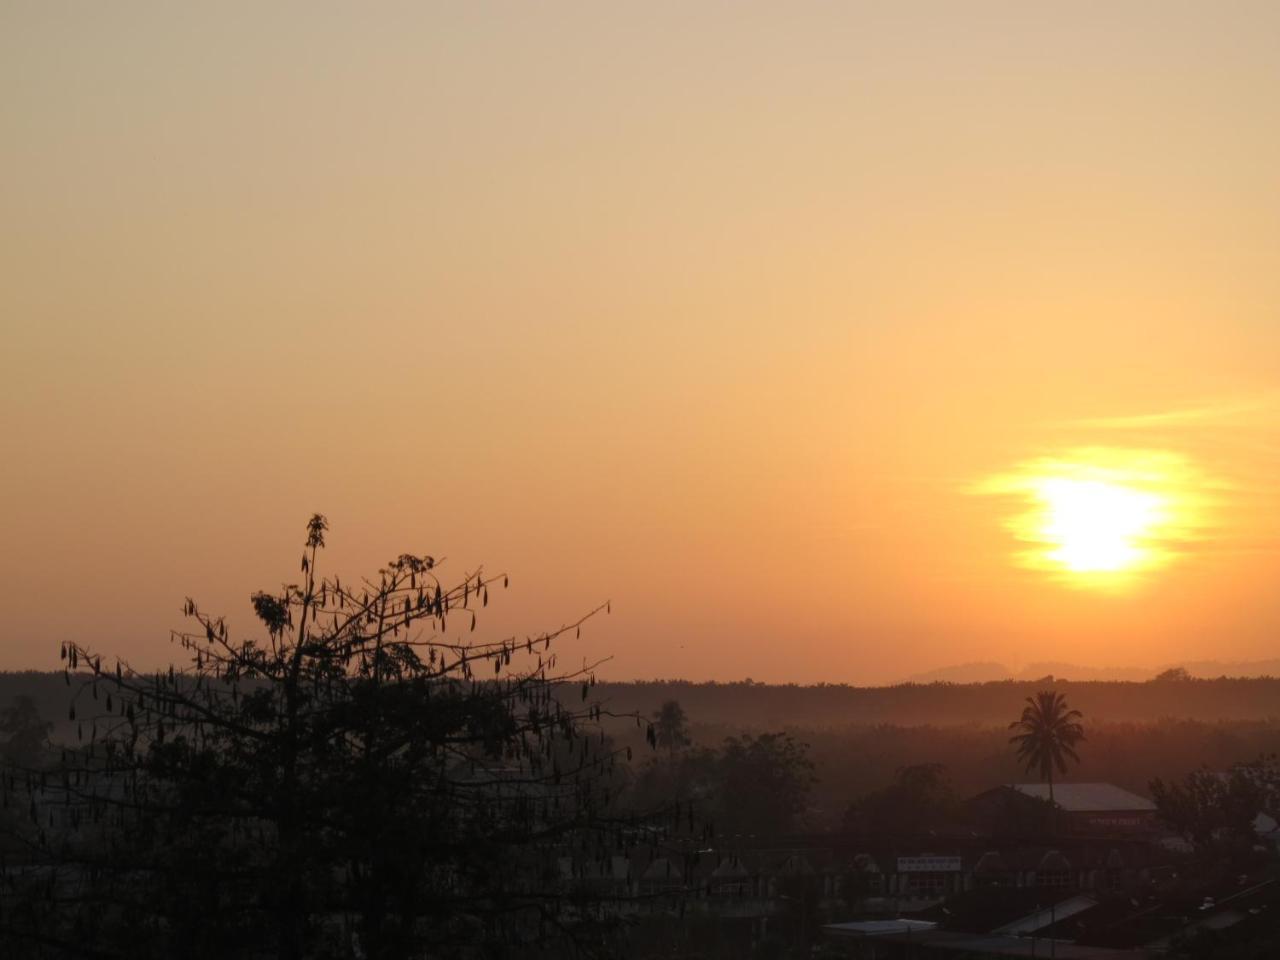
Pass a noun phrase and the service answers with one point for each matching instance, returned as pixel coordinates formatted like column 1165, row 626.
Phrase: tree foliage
column 671, row 727
column 26, row 733
column 920, row 799
column 765, row 781
column 1048, row 732
column 1215, row 811
column 751, row 784
column 366, row 779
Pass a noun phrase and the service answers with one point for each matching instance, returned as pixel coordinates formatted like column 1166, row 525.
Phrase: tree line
column 762, row 706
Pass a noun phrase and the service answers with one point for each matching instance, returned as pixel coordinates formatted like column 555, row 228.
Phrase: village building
column 1081, row 809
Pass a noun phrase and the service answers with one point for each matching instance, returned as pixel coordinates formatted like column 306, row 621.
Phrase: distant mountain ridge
column 988, row 671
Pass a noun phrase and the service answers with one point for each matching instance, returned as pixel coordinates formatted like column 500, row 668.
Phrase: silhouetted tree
column 671, row 727
column 751, row 784
column 1048, row 733
column 1215, row 811
column 919, row 799
column 764, row 783
column 26, row 733
column 691, row 776
column 365, row 780
column 23, row 751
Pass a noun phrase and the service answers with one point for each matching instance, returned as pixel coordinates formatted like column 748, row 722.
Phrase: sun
column 1099, row 517
column 1091, row 526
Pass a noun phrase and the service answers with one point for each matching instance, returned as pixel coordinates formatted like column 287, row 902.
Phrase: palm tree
column 1048, row 733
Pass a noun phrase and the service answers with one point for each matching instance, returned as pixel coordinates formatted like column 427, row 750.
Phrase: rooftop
column 1087, row 797
column 968, row 943
column 878, row 928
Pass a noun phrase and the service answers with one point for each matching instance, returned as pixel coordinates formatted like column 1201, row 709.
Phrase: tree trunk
column 1053, row 808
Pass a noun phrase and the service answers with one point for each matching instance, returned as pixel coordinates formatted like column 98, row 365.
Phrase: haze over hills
column 988, row 671
column 747, row 705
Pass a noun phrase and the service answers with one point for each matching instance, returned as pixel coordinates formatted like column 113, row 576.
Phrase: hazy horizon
column 830, row 342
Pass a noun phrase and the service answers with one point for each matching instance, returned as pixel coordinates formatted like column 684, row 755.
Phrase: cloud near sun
column 1100, row 517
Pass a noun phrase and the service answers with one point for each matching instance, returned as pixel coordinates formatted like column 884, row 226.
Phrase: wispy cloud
column 1237, row 410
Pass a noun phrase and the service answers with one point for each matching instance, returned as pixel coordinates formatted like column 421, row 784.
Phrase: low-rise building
column 1083, row 809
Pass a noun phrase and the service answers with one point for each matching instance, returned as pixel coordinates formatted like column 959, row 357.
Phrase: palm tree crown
column 1048, row 733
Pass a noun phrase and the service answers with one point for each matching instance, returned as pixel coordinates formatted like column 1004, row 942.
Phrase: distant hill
column 1074, row 671
column 985, row 672
column 1247, row 668
column 980, row 672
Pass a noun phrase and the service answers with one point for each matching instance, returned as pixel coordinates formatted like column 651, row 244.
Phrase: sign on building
column 928, row 864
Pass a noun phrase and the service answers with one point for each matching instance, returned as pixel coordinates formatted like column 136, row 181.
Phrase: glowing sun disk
column 1098, row 517
column 1092, row 526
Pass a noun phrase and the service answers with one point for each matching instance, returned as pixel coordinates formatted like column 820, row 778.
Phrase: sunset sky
column 831, row 342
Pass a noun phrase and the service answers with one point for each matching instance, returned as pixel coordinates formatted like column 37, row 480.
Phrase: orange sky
column 722, row 311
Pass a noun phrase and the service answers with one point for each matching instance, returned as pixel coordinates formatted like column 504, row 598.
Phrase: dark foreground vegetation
column 352, row 783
